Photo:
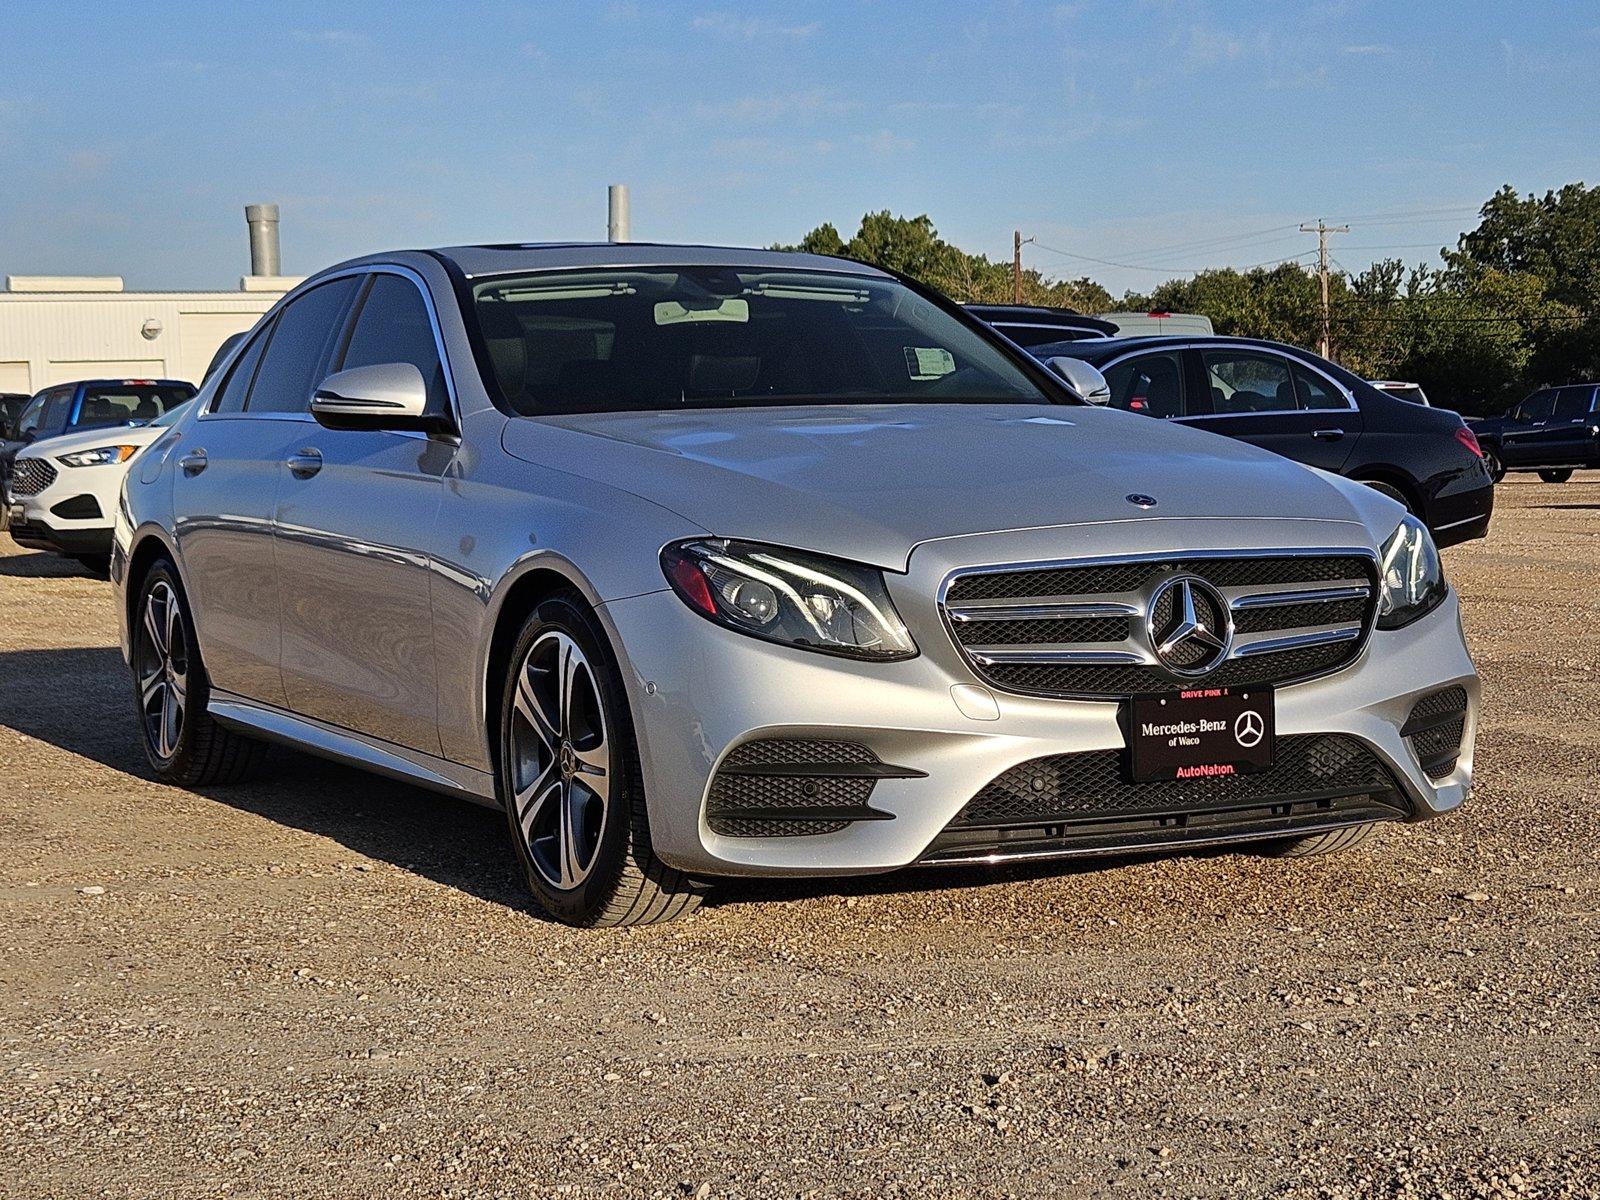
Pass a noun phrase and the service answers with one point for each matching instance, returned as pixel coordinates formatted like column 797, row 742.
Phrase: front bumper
column 51, row 520
column 699, row 692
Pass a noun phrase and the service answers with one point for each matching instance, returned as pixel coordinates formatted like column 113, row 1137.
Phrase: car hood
column 91, row 439
column 871, row 482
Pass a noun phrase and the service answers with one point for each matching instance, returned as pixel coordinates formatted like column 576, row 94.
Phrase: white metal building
column 59, row 328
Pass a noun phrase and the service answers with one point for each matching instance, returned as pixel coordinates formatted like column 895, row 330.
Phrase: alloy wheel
column 163, row 670
column 560, row 760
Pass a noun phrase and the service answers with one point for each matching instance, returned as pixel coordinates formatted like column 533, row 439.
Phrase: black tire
column 1560, row 476
column 1389, row 490
column 1492, row 463
column 1331, row 842
column 194, row 751
column 98, row 565
column 622, row 881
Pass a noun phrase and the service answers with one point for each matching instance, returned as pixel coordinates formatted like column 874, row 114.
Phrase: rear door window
column 1315, row 391
column 1243, row 383
column 302, row 343
column 1572, row 403
column 232, row 396
column 1151, row 384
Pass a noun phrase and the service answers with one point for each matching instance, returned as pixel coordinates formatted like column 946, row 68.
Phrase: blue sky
column 1163, row 136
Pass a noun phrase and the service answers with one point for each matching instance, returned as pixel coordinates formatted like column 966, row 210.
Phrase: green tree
column 912, row 246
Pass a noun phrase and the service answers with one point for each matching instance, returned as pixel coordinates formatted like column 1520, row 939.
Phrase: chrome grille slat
column 1350, row 590
column 1300, row 614
column 1086, row 654
column 1247, row 646
column 1047, row 608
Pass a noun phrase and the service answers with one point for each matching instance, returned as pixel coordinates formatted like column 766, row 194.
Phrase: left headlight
column 789, row 596
column 1412, row 583
column 102, row 456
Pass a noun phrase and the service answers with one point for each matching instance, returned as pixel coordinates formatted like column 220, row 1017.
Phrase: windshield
column 125, row 403
column 698, row 337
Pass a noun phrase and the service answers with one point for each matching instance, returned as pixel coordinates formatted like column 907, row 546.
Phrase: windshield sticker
column 929, row 362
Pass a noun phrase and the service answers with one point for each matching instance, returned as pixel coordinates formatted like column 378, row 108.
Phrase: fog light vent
column 1435, row 728
column 792, row 787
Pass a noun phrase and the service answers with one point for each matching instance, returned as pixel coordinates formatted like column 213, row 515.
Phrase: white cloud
column 329, row 37
column 753, row 29
column 1368, row 48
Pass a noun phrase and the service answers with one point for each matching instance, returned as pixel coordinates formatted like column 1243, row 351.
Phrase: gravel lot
column 327, row 985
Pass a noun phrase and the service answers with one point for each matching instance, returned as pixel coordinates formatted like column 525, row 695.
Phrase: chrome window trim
column 1363, row 631
column 364, row 270
column 1190, row 344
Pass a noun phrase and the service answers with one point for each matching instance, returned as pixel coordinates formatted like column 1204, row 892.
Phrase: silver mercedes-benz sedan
column 707, row 562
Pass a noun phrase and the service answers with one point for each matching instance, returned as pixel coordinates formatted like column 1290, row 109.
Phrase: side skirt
column 354, row 749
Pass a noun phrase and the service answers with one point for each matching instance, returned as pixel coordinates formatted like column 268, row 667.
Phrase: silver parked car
column 704, row 562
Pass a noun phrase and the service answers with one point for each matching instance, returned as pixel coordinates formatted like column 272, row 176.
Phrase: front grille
column 30, row 476
column 789, row 787
column 1087, row 803
column 1096, row 784
column 1083, row 630
column 1435, row 728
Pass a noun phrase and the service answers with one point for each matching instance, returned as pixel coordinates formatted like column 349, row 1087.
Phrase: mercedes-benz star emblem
column 1248, row 728
column 1140, row 500
column 1191, row 634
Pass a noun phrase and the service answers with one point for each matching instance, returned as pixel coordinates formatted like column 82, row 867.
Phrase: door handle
column 305, row 464
column 1327, row 435
column 193, row 463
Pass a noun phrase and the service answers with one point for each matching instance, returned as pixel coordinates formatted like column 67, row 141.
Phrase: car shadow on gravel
column 1567, row 507
column 80, row 701
column 41, row 566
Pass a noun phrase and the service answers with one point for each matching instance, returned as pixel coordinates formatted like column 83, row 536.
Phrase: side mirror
column 386, row 396
column 1083, row 379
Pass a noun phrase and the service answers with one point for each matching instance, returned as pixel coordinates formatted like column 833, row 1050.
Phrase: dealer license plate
column 1200, row 733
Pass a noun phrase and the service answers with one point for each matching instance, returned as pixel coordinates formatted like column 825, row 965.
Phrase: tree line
column 1515, row 304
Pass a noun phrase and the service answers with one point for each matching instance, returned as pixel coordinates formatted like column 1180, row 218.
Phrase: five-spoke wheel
column 570, row 777
column 184, row 744
column 561, row 760
column 162, row 666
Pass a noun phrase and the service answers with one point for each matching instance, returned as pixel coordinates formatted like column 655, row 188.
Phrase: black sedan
column 1289, row 400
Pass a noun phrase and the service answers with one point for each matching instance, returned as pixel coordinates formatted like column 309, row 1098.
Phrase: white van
column 1132, row 324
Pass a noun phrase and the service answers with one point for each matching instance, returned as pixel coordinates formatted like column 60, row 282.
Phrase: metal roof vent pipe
column 617, row 213
column 263, row 222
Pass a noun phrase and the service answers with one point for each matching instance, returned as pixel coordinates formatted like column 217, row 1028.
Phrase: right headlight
column 1411, row 580
column 789, row 596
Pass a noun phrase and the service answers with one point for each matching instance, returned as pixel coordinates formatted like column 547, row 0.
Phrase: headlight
column 1412, row 581
column 104, row 456
column 789, row 596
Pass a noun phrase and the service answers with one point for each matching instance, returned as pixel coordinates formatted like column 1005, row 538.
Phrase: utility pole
column 1322, row 230
column 1017, row 242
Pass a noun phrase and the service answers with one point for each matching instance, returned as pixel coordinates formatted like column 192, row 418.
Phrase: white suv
column 63, row 491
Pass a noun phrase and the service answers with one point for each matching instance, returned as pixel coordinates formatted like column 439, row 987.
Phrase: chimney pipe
column 617, row 215
column 263, row 222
